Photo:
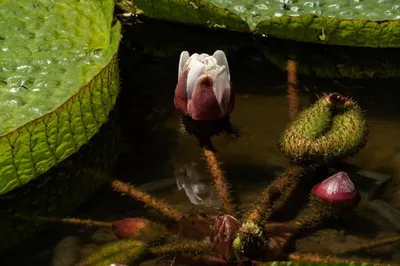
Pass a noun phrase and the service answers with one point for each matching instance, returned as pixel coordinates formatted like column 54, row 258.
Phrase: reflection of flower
column 203, row 91
column 198, row 188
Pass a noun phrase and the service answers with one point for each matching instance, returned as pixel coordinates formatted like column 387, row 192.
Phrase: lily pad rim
column 65, row 103
column 330, row 17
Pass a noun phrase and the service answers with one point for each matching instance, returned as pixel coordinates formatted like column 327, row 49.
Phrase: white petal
column 222, row 61
column 222, row 88
column 182, row 61
column 197, row 69
column 204, row 55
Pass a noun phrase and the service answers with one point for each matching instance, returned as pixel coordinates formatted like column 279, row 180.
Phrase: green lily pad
column 367, row 23
column 58, row 82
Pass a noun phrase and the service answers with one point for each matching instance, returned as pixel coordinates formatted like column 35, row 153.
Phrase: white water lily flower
column 204, row 91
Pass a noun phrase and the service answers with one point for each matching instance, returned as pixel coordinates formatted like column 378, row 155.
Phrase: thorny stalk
column 318, row 258
column 157, row 204
column 273, row 193
column 220, row 182
column 372, row 244
column 75, row 221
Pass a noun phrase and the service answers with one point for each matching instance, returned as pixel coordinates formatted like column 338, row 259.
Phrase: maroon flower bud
column 337, row 190
column 129, row 227
column 223, row 234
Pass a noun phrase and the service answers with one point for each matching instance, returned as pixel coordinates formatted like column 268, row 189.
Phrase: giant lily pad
column 367, row 23
column 58, row 82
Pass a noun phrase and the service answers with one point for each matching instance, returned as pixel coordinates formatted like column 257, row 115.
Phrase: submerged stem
column 281, row 201
column 76, row 221
column 292, row 90
column 372, row 244
column 283, row 185
column 220, row 182
column 314, row 216
column 317, row 258
column 192, row 247
column 147, row 199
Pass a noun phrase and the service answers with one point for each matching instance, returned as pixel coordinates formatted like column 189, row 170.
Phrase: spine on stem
column 220, row 182
column 270, row 195
column 182, row 247
column 251, row 240
column 373, row 244
column 157, row 204
column 76, row 221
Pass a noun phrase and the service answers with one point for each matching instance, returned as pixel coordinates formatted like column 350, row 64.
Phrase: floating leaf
column 368, row 23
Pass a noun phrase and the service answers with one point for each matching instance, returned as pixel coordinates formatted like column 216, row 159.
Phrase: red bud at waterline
column 129, row 227
column 337, row 190
column 223, row 234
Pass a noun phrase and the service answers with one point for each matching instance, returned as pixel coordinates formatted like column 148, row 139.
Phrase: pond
column 155, row 149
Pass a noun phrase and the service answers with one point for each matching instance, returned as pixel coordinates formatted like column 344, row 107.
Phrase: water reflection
column 196, row 182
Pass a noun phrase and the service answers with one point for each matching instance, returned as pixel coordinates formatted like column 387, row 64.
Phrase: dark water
column 154, row 147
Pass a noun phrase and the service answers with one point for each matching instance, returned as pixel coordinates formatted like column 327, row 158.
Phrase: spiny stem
column 272, row 193
column 76, row 221
column 317, row 258
column 292, row 90
column 166, row 210
column 314, row 258
column 372, row 244
column 220, row 182
column 181, row 247
column 283, row 198
column 313, row 216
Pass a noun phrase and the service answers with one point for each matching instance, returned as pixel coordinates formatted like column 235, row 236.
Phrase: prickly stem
column 251, row 238
column 180, row 247
column 315, row 215
column 282, row 185
column 372, row 244
column 220, row 182
column 76, row 221
column 318, row 258
column 157, row 204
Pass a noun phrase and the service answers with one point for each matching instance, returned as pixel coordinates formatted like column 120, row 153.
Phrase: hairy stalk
column 283, row 198
column 181, row 247
column 220, row 182
column 251, row 240
column 292, row 89
column 157, row 204
column 317, row 258
column 261, row 210
column 313, row 216
column 372, row 244
column 76, row 221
